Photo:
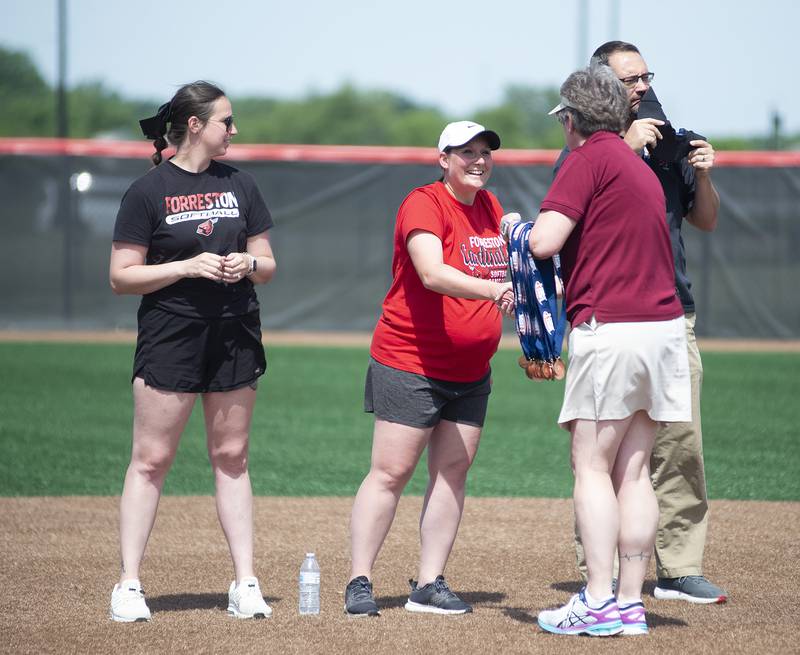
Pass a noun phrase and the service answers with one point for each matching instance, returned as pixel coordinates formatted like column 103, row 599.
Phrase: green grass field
column 66, row 414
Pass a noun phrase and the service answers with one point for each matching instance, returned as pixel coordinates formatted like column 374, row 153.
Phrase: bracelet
column 253, row 264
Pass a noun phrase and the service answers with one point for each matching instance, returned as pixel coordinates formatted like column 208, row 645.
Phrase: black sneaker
column 435, row 597
column 358, row 598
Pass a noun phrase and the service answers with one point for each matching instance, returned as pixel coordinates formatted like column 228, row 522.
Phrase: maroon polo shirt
column 617, row 262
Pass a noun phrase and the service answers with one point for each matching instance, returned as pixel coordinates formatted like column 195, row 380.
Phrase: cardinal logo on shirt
column 206, row 227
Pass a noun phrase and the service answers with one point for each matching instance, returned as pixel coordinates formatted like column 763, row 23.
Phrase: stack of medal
column 536, row 305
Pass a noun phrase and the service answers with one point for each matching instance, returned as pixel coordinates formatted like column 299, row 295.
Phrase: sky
column 722, row 67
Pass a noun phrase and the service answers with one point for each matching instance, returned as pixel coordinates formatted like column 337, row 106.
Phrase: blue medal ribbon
column 539, row 323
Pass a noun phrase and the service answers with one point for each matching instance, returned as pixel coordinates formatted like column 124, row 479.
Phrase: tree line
column 347, row 115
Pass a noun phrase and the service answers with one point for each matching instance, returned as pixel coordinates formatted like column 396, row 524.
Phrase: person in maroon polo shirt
column 628, row 366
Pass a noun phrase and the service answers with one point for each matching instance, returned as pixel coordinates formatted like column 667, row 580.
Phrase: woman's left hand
column 235, row 266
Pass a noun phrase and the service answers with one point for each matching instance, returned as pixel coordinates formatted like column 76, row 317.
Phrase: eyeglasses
column 633, row 80
column 227, row 122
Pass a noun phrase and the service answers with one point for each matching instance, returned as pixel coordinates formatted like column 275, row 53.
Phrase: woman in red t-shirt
column 628, row 364
column 428, row 380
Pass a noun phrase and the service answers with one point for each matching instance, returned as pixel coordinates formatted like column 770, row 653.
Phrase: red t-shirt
column 617, row 262
column 425, row 332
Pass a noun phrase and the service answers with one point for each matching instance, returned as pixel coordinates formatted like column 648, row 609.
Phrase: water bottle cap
column 310, row 555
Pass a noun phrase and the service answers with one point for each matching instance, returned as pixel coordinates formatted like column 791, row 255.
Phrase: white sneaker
column 577, row 617
column 127, row 602
column 246, row 601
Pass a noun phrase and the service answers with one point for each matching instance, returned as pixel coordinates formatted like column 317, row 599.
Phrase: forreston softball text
column 201, row 206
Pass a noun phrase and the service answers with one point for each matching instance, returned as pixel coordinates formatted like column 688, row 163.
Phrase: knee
column 391, row 478
column 230, row 458
column 454, row 469
column 590, row 468
column 152, row 464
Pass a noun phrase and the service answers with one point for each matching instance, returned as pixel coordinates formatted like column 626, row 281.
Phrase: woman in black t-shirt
column 191, row 238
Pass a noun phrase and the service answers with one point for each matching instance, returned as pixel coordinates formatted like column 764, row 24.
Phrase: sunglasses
column 227, row 122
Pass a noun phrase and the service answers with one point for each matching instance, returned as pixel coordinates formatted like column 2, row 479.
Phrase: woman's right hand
column 504, row 298
column 206, row 264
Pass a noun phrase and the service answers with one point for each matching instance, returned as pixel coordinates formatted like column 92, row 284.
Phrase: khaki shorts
column 617, row 369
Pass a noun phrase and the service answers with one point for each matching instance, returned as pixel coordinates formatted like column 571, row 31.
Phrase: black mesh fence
column 333, row 242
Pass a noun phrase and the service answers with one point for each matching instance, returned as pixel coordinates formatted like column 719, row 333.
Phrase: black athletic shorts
column 198, row 355
column 421, row 402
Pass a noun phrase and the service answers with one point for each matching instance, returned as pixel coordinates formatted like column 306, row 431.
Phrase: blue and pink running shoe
column 633, row 619
column 577, row 618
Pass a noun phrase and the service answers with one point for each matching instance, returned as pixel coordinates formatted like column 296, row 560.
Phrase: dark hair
column 596, row 100
column 195, row 99
column 601, row 55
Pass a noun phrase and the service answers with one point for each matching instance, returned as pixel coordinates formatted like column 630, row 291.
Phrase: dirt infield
column 513, row 557
column 357, row 339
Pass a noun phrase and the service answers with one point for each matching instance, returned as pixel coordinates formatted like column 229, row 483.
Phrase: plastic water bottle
column 309, row 585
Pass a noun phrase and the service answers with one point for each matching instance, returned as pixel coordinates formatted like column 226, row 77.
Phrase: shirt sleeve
column 259, row 218
column 136, row 218
column 572, row 190
column 420, row 211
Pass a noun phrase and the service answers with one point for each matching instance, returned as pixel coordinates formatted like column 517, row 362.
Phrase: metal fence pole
column 65, row 187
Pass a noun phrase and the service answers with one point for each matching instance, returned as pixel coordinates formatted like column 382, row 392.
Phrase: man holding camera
column 677, row 461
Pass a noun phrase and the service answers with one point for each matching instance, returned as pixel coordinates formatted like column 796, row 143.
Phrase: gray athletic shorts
column 421, row 402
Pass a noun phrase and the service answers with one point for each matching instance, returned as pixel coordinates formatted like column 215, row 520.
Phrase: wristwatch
column 253, row 264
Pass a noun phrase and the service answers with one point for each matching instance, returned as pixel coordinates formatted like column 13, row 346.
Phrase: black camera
column 674, row 144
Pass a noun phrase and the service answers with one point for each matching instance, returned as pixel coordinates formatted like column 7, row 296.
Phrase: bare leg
column 227, row 416
column 594, row 449
column 451, row 450
column 158, row 421
column 638, row 507
column 396, row 449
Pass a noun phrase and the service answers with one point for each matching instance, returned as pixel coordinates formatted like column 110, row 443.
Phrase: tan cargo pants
column 678, row 475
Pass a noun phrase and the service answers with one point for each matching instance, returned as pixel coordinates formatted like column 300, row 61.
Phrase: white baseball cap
column 458, row 133
column 561, row 105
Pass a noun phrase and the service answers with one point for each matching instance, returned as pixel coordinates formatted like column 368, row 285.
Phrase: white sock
column 595, row 604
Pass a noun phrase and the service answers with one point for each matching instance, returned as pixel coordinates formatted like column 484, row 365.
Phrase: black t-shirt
column 677, row 180
column 178, row 215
